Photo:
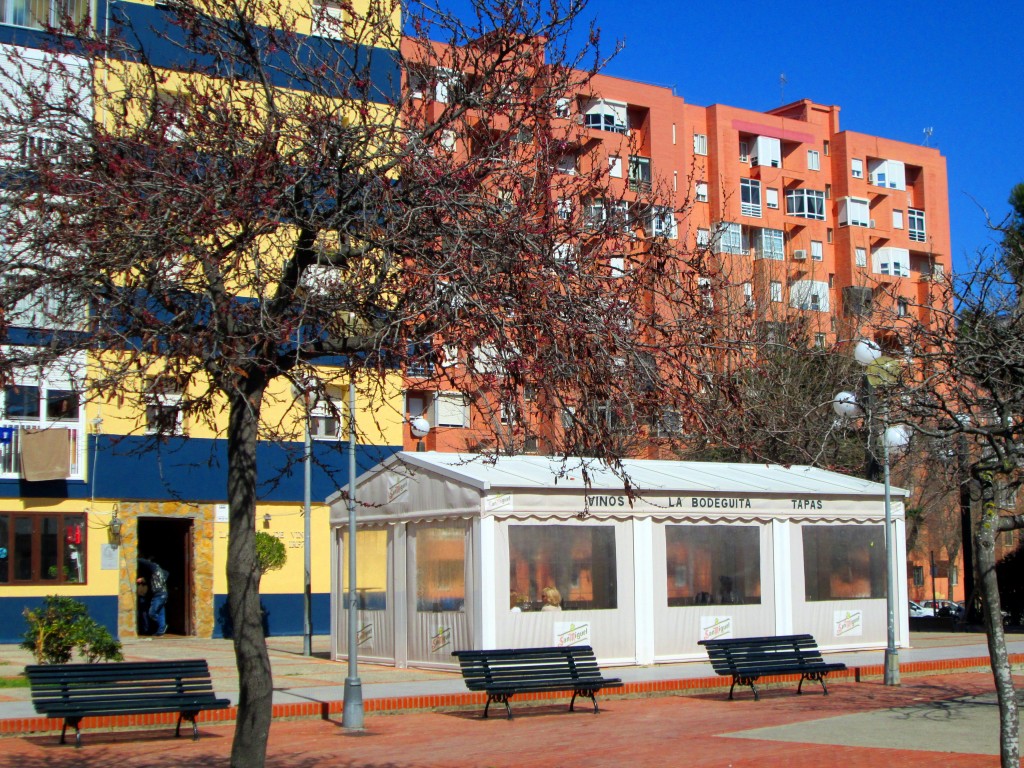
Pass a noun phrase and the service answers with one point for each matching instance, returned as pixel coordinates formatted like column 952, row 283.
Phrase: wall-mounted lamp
column 266, row 520
column 115, row 528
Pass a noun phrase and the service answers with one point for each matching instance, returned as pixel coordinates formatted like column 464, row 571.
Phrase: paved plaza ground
column 943, row 717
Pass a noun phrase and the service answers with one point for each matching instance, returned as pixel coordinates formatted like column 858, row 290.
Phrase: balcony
column 10, row 451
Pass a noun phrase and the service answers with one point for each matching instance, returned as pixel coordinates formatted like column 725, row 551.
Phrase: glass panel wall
column 713, row 564
column 567, row 567
column 843, row 562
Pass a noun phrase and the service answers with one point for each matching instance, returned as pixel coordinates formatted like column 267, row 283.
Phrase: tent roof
column 548, row 472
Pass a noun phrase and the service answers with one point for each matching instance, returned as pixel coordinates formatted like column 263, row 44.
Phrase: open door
column 168, row 541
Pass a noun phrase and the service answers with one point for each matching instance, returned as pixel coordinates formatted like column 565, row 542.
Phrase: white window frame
column 161, row 402
column 729, row 238
column 817, row 250
column 861, row 256
column 605, row 115
column 888, row 260
column 563, row 107
column 771, row 198
column 704, row 290
column 806, row 203
column 897, row 218
column 809, row 295
column 750, row 198
column 703, row 237
column 775, row 291
column 451, row 409
column 12, row 17
column 566, row 164
column 700, row 144
column 321, row 414
column 615, row 166
column 745, row 152
column 856, row 168
column 854, row 212
column 767, row 152
column 663, row 222
column 328, row 18
column 813, row 160
column 916, row 225
column 701, row 192
column 770, row 244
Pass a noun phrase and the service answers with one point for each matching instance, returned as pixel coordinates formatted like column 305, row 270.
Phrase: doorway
column 168, row 542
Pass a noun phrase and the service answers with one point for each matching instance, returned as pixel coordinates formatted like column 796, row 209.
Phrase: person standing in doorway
column 142, row 599
column 158, row 596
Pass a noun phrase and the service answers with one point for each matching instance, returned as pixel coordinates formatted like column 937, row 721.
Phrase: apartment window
column 702, row 191
column 40, row 14
column 861, row 256
column 817, row 250
column 564, row 209
column 806, row 203
column 617, row 266
column 750, row 197
column 663, row 222
column 704, row 290
column 954, row 575
column 857, row 168
column 819, row 341
column 775, row 291
column 640, row 173
column 891, row 261
column 703, row 237
column 594, row 214
column 902, row 307
column 43, row 548
column 918, row 575
column 566, row 164
column 748, row 295
column 857, row 552
column 448, row 141
column 769, row 244
column 897, row 219
column 615, row 167
column 32, row 403
column 915, row 221
column 744, row 152
column 767, row 151
column 813, row 160
column 163, row 409
column 328, row 18
column 854, row 212
column 700, row 144
column 771, row 197
column 828, row 191
column 811, row 295
column 451, row 409
column 826, row 147
column 730, row 238
column 891, row 174
column 563, row 107
column 713, row 564
column 604, row 115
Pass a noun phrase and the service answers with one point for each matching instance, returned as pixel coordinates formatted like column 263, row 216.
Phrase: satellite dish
column 419, row 427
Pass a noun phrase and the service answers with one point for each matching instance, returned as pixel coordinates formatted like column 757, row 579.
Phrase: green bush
column 270, row 552
column 61, row 626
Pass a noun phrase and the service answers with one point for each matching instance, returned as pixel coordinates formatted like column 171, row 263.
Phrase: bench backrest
column 482, row 669
column 123, row 684
column 742, row 654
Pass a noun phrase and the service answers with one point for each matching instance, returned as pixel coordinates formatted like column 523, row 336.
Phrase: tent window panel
column 578, row 561
column 371, row 569
column 713, row 564
column 440, row 569
column 843, row 562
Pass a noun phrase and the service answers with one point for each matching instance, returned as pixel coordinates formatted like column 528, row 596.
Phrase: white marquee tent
column 455, row 551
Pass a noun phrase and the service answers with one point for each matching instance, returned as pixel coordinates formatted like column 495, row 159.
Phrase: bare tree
column 966, row 386
column 218, row 205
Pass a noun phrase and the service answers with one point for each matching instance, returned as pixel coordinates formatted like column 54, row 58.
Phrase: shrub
column 270, row 552
column 61, row 626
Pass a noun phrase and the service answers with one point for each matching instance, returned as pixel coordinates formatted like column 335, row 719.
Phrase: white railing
column 10, row 452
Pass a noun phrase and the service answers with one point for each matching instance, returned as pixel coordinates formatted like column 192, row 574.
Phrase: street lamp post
column 352, row 712
column 880, row 370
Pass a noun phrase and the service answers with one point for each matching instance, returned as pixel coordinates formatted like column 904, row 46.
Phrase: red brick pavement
column 673, row 730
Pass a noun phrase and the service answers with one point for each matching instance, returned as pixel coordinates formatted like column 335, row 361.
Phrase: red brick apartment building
column 846, row 231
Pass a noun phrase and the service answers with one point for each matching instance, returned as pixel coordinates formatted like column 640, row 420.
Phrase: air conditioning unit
column 800, row 255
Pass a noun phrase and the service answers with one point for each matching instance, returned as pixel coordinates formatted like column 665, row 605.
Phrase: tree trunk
column 985, row 552
column 252, row 728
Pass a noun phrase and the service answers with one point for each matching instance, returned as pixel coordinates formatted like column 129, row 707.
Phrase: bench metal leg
column 502, row 698
column 819, row 676
column 73, row 722
column 191, row 717
column 592, row 695
column 737, row 679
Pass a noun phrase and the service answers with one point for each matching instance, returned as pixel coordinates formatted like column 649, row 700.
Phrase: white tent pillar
column 899, row 538
column 399, row 604
column 486, row 605
column 782, row 575
column 643, row 588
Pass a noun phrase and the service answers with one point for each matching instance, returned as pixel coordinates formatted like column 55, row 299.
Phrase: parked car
column 943, row 608
column 918, row 611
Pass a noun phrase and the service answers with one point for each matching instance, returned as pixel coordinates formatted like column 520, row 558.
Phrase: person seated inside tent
column 551, row 598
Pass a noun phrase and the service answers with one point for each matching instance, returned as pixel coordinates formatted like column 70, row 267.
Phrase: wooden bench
column 75, row 691
column 503, row 673
column 749, row 658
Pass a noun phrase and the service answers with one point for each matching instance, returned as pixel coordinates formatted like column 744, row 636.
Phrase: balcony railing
column 10, row 451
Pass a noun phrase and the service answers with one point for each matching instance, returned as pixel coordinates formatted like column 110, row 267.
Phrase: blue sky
column 893, row 68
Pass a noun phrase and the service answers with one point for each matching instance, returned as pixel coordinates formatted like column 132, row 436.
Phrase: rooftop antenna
column 927, row 135
column 782, row 87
